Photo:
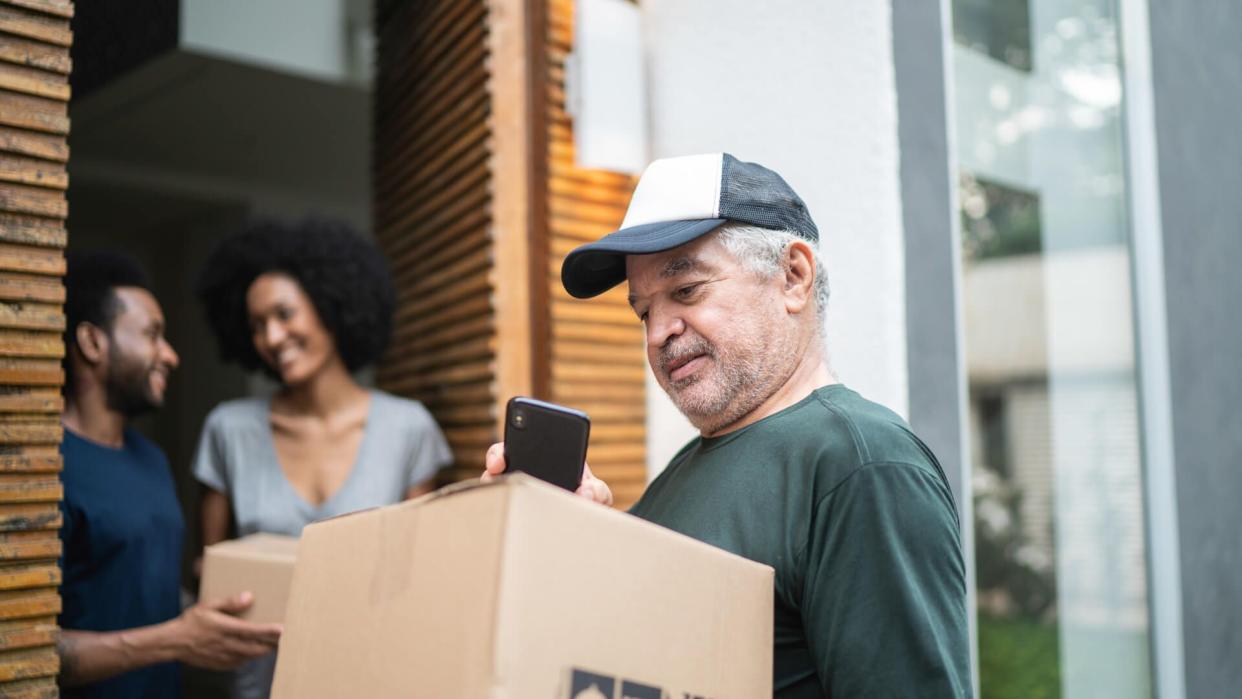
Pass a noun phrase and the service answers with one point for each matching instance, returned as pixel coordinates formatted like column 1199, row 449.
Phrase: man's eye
column 687, row 291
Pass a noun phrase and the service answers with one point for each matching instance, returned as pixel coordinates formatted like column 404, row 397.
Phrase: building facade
column 1030, row 221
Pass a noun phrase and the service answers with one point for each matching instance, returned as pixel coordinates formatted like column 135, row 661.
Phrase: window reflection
column 1060, row 551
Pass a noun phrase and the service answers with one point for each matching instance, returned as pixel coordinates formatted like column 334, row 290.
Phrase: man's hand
column 209, row 636
column 205, row 635
column 591, row 487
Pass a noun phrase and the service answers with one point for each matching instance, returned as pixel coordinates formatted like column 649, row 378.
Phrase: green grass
column 1018, row 659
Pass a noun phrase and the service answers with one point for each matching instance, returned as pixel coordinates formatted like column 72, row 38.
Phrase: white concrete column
column 808, row 90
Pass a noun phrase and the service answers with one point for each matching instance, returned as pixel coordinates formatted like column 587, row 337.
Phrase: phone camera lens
column 519, row 419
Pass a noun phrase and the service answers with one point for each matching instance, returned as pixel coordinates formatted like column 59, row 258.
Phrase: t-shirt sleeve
column 429, row 450
column 884, row 592
column 210, row 464
column 68, row 527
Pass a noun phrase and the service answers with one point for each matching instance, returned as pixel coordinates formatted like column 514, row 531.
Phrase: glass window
column 998, row 28
column 1060, row 552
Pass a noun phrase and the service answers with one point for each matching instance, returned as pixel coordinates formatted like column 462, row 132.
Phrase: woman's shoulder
column 239, row 412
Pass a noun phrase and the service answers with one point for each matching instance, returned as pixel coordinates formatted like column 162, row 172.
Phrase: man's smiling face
column 718, row 336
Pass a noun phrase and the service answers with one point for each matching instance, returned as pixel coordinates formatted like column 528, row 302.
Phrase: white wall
column 806, row 89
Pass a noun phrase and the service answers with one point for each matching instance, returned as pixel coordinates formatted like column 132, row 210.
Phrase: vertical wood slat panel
column 596, row 346
column 477, row 200
column 434, row 211
column 34, row 92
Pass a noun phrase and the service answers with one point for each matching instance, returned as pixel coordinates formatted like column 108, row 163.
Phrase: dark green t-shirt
column 854, row 513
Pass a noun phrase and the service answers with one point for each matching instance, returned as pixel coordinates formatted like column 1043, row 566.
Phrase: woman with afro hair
column 309, row 304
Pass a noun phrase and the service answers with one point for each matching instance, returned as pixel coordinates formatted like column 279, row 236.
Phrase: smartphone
column 546, row 440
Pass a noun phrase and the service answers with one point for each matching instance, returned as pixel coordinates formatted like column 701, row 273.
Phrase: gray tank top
column 401, row 447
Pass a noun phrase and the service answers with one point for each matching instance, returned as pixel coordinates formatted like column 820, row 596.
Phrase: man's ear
column 799, row 276
column 92, row 343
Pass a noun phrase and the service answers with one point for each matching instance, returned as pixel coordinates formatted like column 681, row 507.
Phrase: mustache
column 673, row 353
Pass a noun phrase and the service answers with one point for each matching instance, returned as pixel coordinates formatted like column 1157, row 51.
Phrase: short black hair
column 91, row 280
column 344, row 275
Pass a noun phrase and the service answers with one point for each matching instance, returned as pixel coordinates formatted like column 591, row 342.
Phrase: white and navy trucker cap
column 678, row 200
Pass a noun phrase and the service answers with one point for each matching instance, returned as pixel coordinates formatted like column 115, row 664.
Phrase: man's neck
column 87, row 415
column 811, row 373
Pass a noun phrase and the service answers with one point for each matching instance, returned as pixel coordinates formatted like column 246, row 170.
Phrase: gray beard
column 744, row 380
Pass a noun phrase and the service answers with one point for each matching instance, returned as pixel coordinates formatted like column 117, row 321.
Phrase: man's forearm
column 90, row 656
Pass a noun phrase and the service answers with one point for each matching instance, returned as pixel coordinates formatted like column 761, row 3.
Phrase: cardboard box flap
column 552, row 496
column 268, row 546
column 438, row 494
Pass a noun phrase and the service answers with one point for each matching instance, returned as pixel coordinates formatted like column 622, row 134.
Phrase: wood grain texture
column 28, row 287
column 38, row 201
column 32, row 516
column 58, row 8
column 28, row 664
column 20, row 604
column 596, row 346
column 37, row 113
column 434, row 212
column 24, row 258
column 42, row 688
column 33, row 81
column 27, row 633
column 30, row 575
column 34, row 122
column 33, row 230
column 28, row 545
column 31, row 23
column 477, row 201
column 23, row 488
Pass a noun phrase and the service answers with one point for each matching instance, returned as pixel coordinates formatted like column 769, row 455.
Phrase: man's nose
column 169, row 355
column 662, row 326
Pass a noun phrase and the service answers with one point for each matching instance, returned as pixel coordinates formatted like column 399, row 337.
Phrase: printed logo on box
column 634, row 690
column 588, row 685
column 584, row 684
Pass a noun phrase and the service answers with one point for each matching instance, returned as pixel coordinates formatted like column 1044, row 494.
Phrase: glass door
column 1060, row 549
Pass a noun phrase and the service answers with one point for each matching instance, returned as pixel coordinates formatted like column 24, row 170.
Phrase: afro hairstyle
column 344, row 275
column 91, row 280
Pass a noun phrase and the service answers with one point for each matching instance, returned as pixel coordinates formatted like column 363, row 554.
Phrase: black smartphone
column 546, row 440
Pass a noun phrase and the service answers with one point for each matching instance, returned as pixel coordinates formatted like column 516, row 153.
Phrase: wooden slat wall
column 477, row 201
column 34, row 125
column 433, row 206
column 597, row 352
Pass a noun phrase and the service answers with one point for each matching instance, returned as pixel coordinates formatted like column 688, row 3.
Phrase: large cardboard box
column 519, row 590
column 261, row 564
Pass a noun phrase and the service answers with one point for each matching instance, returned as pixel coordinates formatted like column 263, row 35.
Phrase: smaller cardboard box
column 261, row 564
column 517, row 590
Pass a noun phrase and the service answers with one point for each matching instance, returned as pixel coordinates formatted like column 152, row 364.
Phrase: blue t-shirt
column 122, row 551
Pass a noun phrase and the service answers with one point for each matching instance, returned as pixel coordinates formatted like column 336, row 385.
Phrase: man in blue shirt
column 123, row 628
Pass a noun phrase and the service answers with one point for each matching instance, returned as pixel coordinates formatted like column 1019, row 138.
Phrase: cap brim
column 594, row 268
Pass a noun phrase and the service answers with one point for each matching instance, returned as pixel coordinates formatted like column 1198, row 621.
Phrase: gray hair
column 762, row 252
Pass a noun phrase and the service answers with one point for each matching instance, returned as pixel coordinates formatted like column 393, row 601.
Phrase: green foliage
column 1018, row 659
column 1030, row 590
column 998, row 220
